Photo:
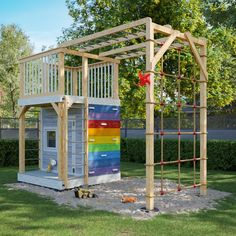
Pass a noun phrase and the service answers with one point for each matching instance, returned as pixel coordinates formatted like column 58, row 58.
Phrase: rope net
column 188, row 99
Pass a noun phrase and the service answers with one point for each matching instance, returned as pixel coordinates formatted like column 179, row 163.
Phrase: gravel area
column 109, row 198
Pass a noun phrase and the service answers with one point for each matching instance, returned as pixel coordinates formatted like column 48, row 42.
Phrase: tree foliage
column 96, row 15
column 14, row 44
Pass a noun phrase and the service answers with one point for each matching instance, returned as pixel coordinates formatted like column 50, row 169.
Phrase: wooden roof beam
column 112, row 42
column 105, row 32
column 123, row 49
column 90, row 55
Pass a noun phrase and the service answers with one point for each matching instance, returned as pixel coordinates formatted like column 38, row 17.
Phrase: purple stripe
column 104, row 116
column 104, row 170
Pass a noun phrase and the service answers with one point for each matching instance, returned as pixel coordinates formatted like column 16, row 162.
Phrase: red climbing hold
column 179, row 188
column 144, row 79
column 162, row 192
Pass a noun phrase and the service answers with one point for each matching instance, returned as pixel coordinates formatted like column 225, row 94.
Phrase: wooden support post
column 61, row 74
column 85, row 76
column 116, row 81
column 40, row 139
column 203, row 122
column 60, row 139
column 64, row 165
column 22, row 139
column 86, row 148
column 150, row 118
column 75, row 82
column 85, row 95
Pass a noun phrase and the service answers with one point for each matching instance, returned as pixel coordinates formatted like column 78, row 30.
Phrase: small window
column 51, row 139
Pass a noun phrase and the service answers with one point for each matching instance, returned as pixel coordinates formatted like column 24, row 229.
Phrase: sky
column 41, row 20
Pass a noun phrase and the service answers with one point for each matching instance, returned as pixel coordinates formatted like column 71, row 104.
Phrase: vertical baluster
column 108, row 81
column 105, row 81
column 95, row 80
column 112, row 80
column 102, row 67
column 71, row 83
column 92, row 81
column 98, row 87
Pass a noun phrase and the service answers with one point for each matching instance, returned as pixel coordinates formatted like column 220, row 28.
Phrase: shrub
column 9, row 152
column 221, row 154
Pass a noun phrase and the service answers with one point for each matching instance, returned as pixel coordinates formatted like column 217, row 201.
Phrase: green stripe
column 104, row 147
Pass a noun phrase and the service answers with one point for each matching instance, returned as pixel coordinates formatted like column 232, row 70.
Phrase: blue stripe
column 104, row 155
column 104, row 109
column 104, row 163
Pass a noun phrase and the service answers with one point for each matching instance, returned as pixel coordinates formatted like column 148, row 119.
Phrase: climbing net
column 179, row 102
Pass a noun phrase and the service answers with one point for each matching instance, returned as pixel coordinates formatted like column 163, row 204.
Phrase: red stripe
column 104, row 124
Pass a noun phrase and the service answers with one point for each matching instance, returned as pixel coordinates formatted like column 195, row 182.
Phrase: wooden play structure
column 76, row 88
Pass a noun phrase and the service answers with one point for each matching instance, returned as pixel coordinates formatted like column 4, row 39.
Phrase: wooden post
column 60, row 140
column 75, row 82
column 64, row 165
column 40, row 140
column 150, row 118
column 61, row 74
column 85, row 95
column 86, row 148
column 203, row 123
column 85, row 77
column 116, row 81
column 22, row 139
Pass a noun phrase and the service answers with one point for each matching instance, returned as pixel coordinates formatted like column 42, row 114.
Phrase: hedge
column 9, row 151
column 221, row 154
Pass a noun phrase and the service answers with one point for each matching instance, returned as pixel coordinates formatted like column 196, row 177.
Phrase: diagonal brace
column 196, row 54
column 165, row 47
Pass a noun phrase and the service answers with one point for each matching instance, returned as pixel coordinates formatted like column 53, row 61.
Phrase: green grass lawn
column 24, row 213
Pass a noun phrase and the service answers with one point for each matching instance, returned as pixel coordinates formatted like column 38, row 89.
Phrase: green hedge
column 221, row 154
column 9, row 152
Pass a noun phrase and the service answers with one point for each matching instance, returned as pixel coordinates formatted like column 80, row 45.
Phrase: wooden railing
column 46, row 74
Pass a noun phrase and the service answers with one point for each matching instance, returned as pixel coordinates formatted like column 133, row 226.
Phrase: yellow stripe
column 104, row 132
column 104, row 139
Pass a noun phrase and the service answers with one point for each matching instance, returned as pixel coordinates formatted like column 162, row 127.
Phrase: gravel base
column 109, row 198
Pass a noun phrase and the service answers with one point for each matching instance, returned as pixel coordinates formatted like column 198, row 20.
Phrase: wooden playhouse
column 76, row 88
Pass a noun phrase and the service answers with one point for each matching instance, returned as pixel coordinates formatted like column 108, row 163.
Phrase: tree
column 96, row 15
column 221, row 12
column 14, row 44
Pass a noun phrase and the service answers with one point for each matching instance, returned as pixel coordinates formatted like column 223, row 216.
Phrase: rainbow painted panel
column 104, row 132
column 103, row 147
column 104, row 139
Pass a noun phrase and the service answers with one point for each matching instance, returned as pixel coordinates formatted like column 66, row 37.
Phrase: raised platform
column 50, row 180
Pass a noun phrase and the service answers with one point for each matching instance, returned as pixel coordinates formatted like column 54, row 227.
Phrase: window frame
column 46, row 148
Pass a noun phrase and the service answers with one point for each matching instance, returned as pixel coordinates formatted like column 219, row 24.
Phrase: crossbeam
column 123, row 49
column 90, row 55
